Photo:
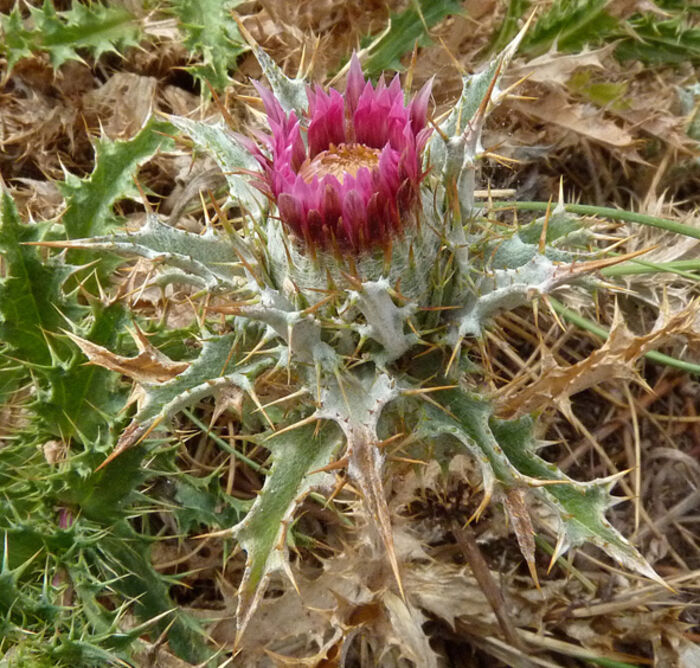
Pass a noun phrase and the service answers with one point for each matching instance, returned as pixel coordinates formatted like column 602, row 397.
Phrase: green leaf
column 654, row 42
column 505, row 289
column 231, row 157
column 571, row 24
column 17, row 42
column 509, row 26
column 467, row 420
column 89, row 201
column 452, row 152
column 290, row 93
column 295, row 455
column 581, row 507
column 70, row 399
column 200, row 502
column 103, row 495
column 31, row 301
column 96, row 28
column 212, row 372
column 126, row 554
column 85, row 401
column 212, row 36
column 506, row 452
column 407, row 28
column 200, row 260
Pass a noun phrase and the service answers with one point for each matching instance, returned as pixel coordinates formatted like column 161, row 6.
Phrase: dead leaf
column 522, row 526
column 120, row 120
column 54, row 452
column 150, row 366
column 585, row 120
column 227, row 398
column 613, row 360
column 41, row 200
column 556, row 68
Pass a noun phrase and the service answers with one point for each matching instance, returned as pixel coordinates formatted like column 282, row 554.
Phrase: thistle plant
column 358, row 273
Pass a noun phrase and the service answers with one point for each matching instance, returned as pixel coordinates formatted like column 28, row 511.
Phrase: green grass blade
column 603, row 333
column 684, row 268
column 607, row 212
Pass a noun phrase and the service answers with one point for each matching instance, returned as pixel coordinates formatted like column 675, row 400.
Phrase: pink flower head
column 355, row 180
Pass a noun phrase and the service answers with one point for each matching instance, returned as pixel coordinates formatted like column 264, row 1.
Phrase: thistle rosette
column 345, row 175
column 370, row 323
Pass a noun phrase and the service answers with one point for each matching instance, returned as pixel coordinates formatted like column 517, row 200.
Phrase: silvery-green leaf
column 506, row 453
column 199, row 259
column 290, row 93
column 217, row 139
column 295, row 456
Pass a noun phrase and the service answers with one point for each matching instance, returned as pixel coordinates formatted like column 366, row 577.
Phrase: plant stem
column 226, row 446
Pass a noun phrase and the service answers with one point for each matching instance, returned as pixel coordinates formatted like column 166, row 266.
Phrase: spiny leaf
column 231, row 157
column 200, row 260
column 211, row 35
column 653, row 41
column 506, row 452
column 453, row 150
column 581, row 506
column 212, row 372
column 81, row 401
column 218, row 365
column 509, row 26
column 125, row 552
column 200, row 502
column 643, row 35
column 571, row 24
column 475, row 92
column 31, row 301
column 70, row 399
column 96, row 28
column 467, row 419
column 149, row 366
column 385, row 320
column 614, row 360
column 89, row 201
column 262, row 534
column 406, row 28
column 355, row 403
column 507, row 288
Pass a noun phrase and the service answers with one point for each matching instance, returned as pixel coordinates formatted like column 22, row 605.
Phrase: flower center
column 339, row 161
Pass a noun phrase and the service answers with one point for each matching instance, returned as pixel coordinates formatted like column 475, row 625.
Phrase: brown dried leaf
column 54, row 452
column 120, row 120
column 556, row 68
column 324, row 615
column 40, row 200
column 522, row 526
column 149, row 366
column 228, row 398
column 587, row 121
column 615, row 359
column 366, row 465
